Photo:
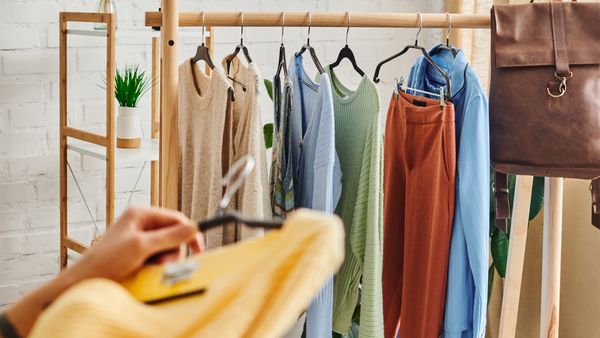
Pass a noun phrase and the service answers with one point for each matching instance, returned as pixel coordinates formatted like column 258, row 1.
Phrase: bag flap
column 523, row 34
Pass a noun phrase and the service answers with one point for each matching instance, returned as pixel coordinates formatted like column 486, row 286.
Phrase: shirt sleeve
column 370, row 215
column 468, row 265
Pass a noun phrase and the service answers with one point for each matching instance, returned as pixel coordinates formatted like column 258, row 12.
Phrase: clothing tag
column 175, row 272
column 419, row 103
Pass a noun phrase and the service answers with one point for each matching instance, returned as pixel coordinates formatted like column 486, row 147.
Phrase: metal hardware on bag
column 503, row 190
column 562, row 87
column 594, row 202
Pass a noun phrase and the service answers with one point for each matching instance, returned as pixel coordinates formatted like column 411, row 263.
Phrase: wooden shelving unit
column 102, row 147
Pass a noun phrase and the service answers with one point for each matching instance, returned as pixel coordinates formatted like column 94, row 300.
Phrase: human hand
column 139, row 234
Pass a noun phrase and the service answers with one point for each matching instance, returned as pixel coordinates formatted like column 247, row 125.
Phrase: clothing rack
column 170, row 19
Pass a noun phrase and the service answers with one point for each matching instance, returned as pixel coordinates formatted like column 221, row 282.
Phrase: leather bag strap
column 501, row 202
column 595, row 189
column 561, row 56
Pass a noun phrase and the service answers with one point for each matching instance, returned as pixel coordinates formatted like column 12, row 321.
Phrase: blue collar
column 454, row 66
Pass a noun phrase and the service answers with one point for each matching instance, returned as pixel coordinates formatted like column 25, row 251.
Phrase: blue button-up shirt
column 466, row 296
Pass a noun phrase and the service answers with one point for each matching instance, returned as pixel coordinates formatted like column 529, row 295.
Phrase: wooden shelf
column 88, row 32
column 148, row 151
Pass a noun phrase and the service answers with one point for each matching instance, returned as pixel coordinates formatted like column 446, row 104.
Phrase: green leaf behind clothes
column 537, row 197
column 269, row 86
column 499, row 248
column 268, row 133
column 490, row 282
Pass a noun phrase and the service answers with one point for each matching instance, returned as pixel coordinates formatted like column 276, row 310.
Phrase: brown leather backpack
column 545, row 95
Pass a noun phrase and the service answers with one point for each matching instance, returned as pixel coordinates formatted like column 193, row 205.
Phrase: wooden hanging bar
column 298, row 19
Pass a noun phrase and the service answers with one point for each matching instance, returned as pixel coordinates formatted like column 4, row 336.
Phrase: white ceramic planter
column 129, row 127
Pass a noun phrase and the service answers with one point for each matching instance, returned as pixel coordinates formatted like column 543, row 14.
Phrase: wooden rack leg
column 110, row 119
column 516, row 257
column 169, row 134
column 63, row 143
column 155, row 120
column 551, row 255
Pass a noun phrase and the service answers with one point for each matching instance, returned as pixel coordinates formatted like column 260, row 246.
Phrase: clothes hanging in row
column 328, row 155
column 214, row 132
column 431, row 279
column 466, row 299
column 286, row 266
column 464, row 310
column 332, row 143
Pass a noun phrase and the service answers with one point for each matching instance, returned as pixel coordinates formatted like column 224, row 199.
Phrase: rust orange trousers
column 419, row 174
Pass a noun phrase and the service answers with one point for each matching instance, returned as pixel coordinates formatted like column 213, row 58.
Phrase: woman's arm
column 139, row 234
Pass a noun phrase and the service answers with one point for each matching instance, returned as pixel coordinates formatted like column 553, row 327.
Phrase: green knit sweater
column 359, row 145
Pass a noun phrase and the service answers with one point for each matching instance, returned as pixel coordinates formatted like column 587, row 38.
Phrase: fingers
column 197, row 244
column 169, row 256
column 167, row 238
column 155, row 218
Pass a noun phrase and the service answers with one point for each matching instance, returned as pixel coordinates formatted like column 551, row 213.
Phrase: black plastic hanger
column 447, row 46
column 346, row 53
column 282, row 63
column 311, row 50
column 203, row 52
column 425, row 55
column 239, row 47
column 241, row 169
column 235, row 217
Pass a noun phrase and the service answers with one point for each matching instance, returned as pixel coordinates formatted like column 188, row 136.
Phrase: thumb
column 168, row 237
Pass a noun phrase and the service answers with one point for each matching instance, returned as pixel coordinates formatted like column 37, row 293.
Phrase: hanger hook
column 420, row 17
column 449, row 29
column 348, row 28
column 309, row 24
column 203, row 27
column 282, row 25
column 242, row 30
column 240, row 170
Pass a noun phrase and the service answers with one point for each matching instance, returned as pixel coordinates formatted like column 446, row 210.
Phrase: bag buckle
column 562, row 87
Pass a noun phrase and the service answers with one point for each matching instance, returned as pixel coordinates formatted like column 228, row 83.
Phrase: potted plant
column 131, row 84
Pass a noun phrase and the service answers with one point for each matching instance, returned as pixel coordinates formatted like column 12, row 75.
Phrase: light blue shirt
column 466, row 295
column 317, row 174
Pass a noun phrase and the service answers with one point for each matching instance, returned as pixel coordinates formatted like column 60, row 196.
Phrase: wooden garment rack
column 170, row 19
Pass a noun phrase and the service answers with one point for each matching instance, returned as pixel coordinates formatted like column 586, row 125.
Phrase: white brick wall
column 19, row 39
column 29, row 213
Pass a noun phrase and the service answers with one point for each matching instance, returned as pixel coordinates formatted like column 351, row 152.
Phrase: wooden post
column 516, row 257
column 169, row 135
column 155, row 119
column 110, row 118
column 63, row 139
column 551, row 257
